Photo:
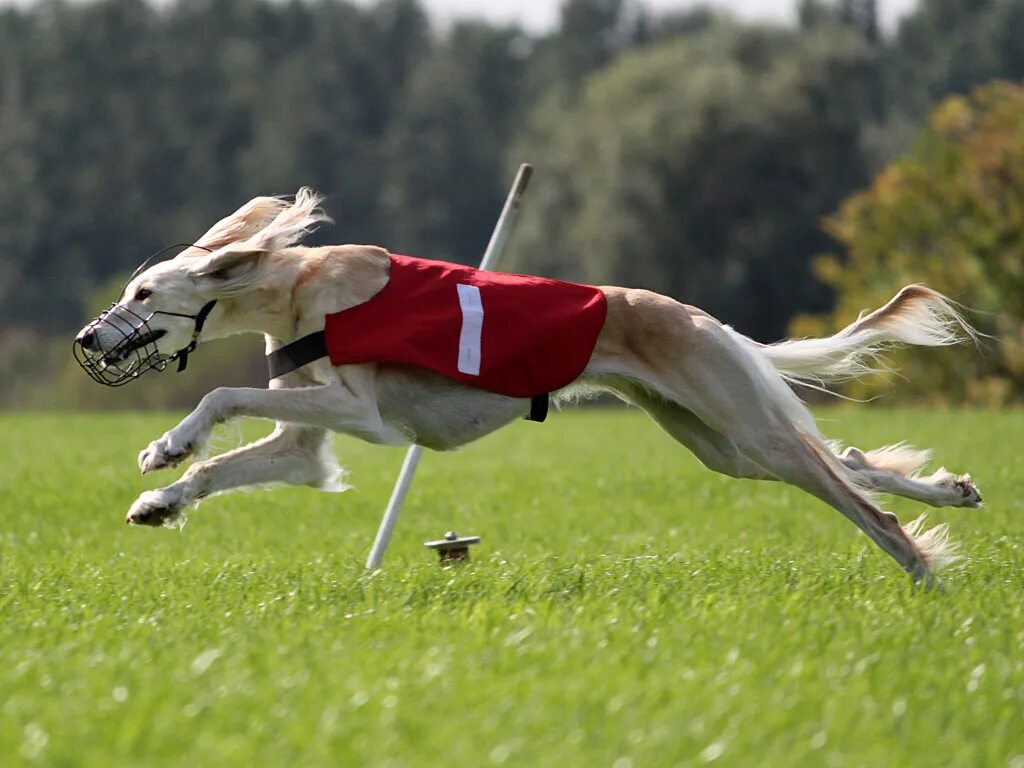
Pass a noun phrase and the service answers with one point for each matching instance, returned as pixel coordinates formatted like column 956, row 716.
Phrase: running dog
column 722, row 395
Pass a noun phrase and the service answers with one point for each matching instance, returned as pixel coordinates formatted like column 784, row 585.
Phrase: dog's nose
column 87, row 338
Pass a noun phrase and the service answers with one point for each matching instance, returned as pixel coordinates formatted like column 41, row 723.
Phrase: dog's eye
column 142, row 294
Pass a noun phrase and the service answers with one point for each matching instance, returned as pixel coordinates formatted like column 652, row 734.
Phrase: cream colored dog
column 722, row 395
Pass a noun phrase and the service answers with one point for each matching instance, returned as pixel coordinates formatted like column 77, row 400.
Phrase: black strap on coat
column 314, row 346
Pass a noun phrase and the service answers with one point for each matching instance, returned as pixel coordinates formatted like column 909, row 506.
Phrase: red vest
column 515, row 335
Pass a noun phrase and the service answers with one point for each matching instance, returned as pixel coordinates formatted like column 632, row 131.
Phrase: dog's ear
column 240, row 225
column 236, row 267
column 229, row 271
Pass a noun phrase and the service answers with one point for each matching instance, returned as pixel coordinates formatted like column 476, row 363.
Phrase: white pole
column 499, row 237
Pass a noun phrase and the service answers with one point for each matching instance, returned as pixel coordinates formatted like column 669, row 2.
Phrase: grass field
column 626, row 608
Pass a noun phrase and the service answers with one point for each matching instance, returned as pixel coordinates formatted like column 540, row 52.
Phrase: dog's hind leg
column 802, row 459
column 292, row 455
column 737, row 393
column 894, row 469
column 721, row 454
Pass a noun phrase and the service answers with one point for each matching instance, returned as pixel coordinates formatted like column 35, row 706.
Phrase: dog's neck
column 301, row 287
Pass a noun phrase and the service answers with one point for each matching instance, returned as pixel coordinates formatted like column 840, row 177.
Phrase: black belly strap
column 314, row 346
column 297, row 354
column 538, row 408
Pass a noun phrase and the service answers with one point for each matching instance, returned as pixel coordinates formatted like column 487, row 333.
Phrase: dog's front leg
column 292, row 454
column 335, row 406
column 176, row 445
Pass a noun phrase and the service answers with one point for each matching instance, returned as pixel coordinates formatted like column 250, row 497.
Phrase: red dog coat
column 515, row 335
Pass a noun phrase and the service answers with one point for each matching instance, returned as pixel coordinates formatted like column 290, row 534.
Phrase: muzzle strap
column 182, row 354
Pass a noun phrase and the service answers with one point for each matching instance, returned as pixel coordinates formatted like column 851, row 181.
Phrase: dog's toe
column 154, row 508
column 148, row 516
column 146, row 460
column 969, row 491
column 159, row 454
column 960, row 490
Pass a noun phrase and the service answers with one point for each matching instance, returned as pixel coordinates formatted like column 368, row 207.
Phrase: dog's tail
column 916, row 315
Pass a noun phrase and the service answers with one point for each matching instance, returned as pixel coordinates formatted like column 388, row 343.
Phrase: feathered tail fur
column 917, row 315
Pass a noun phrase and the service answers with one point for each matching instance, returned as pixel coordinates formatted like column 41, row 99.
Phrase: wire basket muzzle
column 118, row 347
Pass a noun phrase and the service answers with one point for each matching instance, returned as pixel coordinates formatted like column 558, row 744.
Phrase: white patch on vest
column 472, row 329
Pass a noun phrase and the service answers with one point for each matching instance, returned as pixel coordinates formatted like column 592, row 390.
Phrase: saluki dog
column 722, row 395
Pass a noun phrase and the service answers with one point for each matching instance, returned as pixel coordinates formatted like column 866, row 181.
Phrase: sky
column 539, row 15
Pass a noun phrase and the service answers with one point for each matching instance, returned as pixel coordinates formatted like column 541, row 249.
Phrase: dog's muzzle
column 135, row 351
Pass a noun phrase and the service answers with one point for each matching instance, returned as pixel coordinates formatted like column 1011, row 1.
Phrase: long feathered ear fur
column 235, row 263
column 292, row 224
column 240, row 225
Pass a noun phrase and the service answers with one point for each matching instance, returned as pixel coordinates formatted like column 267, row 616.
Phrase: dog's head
column 164, row 308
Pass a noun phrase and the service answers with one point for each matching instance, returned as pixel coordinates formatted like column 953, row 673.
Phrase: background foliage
column 949, row 214
column 690, row 152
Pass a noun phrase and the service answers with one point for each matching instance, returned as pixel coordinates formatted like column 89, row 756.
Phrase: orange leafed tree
column 949, row 214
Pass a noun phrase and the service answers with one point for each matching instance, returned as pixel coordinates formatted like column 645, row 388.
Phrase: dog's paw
column 962, row 490
column 155, row 508
column 165, row 452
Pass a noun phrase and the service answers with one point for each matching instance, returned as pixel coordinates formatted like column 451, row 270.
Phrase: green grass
column 626, row 608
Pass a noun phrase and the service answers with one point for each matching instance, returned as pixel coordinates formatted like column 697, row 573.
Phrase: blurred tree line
column 689, row 152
